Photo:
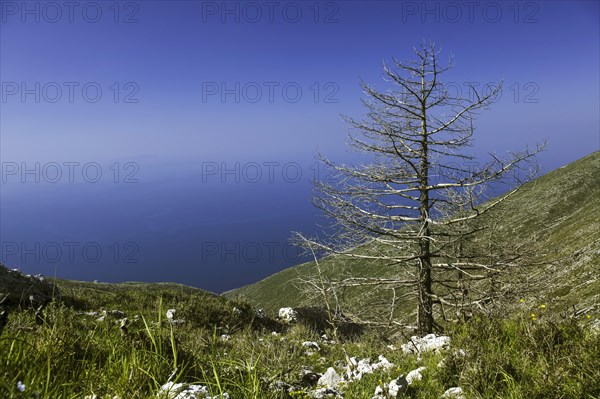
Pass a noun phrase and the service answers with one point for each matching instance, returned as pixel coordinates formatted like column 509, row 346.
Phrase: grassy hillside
column 200, row 309
column 114, row 341
column 561, row 208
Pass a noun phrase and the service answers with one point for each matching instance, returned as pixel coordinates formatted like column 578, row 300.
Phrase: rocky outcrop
column 429, row 343
column 24, row 290
column 171, row 390
column 287, row 315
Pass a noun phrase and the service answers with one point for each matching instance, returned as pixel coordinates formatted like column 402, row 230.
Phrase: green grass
column 561, row 208
column 509, row 353
column 75, row 355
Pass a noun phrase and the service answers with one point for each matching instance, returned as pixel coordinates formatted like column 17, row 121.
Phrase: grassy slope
column 198, row 307
column 73, row 355
column 561, row 207
column 88, row 295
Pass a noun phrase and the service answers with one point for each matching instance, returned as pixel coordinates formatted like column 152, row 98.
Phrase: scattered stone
column 171, row 314
column 326, row 393
column 399, row 385
column 391, row 390
column 312, row 346
column 382, row 363
column 187, row 391
column 454, row 393
column 380, row 391
column 365, row 366
column 415, row 375
column 330, row 379
column 225, row 337
column 429, row 343
column 288, row 315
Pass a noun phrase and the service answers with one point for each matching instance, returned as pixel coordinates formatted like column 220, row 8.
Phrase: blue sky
column 163, row 119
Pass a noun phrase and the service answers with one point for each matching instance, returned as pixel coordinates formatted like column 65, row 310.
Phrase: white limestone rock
column 171, row 314
column 415, row 375
column 453, row 393
column 311, row 345
column 429, row 343
column 330, row 379
column 173, row 390
column 288, row 315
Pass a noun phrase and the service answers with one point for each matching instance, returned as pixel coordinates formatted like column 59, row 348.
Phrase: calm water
column 216, row 226
column 216, row 231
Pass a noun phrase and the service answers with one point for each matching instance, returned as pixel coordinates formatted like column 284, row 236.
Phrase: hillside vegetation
column 560, row 209
column 130, row 340
column 126, row 341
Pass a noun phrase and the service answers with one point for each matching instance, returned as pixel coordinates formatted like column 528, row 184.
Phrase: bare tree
column 322, row 288
column 416, row 203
